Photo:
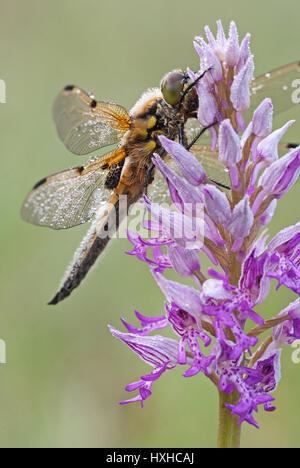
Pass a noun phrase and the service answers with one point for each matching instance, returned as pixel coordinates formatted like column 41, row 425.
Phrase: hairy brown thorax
column 154, row 117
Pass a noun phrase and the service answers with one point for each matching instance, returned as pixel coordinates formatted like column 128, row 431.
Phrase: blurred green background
column 65, row 373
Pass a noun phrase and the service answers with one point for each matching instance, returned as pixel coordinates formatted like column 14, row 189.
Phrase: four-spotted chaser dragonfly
column 75, row 196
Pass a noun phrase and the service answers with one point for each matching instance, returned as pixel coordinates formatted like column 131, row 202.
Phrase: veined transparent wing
column 71, row 197
column 85, row 125
column 192, row 129
column 215, row 171
column 281, row 85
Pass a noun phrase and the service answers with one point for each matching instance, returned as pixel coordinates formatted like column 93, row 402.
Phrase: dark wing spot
column 69, row 88
column 292, row 145
column 93, row 103
column 40, row 182
column 80, row 169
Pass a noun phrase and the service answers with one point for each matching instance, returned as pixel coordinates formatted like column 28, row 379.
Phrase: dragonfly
column 92, row 192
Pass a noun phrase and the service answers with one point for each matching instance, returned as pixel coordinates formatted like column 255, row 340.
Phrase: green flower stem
column 229, row 432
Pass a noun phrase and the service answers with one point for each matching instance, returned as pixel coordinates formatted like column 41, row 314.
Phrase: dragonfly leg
column 149, row 177
column 188, row 147
column 182, row 137
column 190, row 86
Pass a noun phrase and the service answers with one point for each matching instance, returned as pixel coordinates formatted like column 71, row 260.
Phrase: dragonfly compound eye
column 172, row 87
